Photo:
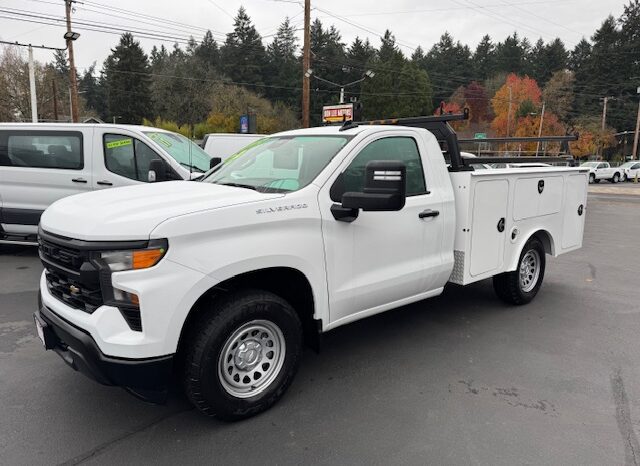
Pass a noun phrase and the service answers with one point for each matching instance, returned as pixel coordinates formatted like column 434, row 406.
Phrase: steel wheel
column 529, row 270
column 251, row 358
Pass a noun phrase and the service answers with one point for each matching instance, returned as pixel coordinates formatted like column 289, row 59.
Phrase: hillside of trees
column 206, row 85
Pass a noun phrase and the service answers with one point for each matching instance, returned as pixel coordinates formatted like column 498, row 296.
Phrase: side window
column 602, row 165
column 403, row 149
column 42, row 149
column 636, row 166
column 128, row 157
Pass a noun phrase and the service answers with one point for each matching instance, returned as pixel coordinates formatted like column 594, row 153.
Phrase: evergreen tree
column 92, row 92
column 61, row 64
column 449, row 65
column 484, row 59
column 284, row 68
column 243, row 55
column 399, row 87
column 128, row 84
column 208, row 53
column 510, row 55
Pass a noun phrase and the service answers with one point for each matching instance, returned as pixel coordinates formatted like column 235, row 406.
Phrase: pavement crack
column 98, row 450
column 623, row 418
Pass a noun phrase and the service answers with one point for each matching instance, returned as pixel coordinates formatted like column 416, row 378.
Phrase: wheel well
column 546, row 239
column 290, row 284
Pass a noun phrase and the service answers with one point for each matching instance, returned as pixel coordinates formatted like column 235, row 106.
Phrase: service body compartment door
column 489, row 216
column 536, row 196
column 574, row 211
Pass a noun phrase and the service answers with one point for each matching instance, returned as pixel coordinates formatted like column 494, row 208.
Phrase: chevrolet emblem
column 74, row 290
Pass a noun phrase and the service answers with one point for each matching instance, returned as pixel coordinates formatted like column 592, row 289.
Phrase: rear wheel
column 522, row 285
column 243, row 355
column 616, row 177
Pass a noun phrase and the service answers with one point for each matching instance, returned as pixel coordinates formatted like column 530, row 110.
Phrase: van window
column 127, row 156
column 41, row 149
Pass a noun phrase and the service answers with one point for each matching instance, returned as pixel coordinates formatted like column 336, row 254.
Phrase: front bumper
column 79, row 350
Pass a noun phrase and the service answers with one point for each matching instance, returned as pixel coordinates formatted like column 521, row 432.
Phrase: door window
column 127, row 156
column 402, row 149
column 41, row 149
column 602, row 165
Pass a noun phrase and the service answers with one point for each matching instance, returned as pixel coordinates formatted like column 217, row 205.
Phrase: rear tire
column 616, row 177
column 522, row 285
column 242, row 356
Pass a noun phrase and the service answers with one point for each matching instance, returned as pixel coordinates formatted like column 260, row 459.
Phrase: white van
column 41, row 163
column 224, row 145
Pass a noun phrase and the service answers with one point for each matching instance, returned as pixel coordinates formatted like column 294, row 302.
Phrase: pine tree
column 484, row 59
column 510, row 55
column 284, row 68
column 207, row 52
column 243, row 55
column 448, row 64
column 92, row 92
column 128, row 84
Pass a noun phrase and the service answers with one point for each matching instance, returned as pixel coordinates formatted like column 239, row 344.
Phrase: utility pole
column 634, row 154
column 32, row 88
column 605, row 100
column 306, row 64
column 509, row 113
column 540, row 129
column 72, row 66
column 55, row 99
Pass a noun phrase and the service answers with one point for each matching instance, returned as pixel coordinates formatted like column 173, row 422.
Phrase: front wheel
column 242, row 355
column 616, row 177
column 522, row 285
column 592, row 178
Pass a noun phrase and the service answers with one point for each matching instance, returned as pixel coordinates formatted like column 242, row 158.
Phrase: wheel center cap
column 248, row 355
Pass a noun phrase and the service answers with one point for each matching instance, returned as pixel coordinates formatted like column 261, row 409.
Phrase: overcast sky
column 413, row 22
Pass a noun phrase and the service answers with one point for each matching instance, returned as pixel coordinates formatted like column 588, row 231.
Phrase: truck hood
column 132, row 212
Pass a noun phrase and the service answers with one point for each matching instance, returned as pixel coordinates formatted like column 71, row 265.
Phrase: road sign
column 244, row 124
column 480, row 136
column 337, row 113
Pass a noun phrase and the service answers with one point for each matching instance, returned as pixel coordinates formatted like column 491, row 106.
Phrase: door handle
column 428, row 213
column 105, row 183
column 78, row 180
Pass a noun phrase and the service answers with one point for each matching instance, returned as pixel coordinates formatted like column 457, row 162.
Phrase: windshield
column 186, row 152
column 278, row 164
column 590, row 164
column 627, row 164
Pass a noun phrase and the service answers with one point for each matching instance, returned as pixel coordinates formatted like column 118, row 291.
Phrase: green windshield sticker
column 160, row 139
column 119, row 143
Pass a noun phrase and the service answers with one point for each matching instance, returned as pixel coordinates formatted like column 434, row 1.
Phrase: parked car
column 630, row 170
column 41, row 163
column 220, row 282
column 602, row 171
column 224, row 145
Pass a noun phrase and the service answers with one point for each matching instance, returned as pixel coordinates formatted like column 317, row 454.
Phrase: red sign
column 337, row 113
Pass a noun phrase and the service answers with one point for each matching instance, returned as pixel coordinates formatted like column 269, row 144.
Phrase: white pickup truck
column 603, row 171
column 219, row 282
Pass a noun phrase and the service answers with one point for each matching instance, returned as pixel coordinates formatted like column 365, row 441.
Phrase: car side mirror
column 157, row 171
column 214, row 162
column 385, row 190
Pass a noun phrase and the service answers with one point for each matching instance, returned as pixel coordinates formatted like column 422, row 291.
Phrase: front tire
column 521, row 286
column 616, row 177
column 592, row 178
column 242, row 356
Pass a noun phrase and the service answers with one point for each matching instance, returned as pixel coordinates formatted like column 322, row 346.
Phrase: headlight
column 135, row 259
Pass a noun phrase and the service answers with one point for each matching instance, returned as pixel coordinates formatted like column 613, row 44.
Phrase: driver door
column 381, row 257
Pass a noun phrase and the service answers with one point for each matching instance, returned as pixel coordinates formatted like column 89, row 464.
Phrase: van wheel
column 522, row 285
column 242, row 357
column 592, row 178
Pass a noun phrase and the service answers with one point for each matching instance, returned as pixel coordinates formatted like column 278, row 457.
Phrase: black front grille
column 71, row 276
column 75, row 278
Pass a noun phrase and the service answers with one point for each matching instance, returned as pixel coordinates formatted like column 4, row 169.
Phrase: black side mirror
column 385, row 190
column 214, row 162
column 157, row 170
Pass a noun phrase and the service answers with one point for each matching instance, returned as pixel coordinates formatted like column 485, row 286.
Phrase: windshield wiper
column 239, row 185
column 192, row 167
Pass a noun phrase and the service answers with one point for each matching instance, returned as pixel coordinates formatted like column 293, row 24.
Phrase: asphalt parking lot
column 459, row 379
